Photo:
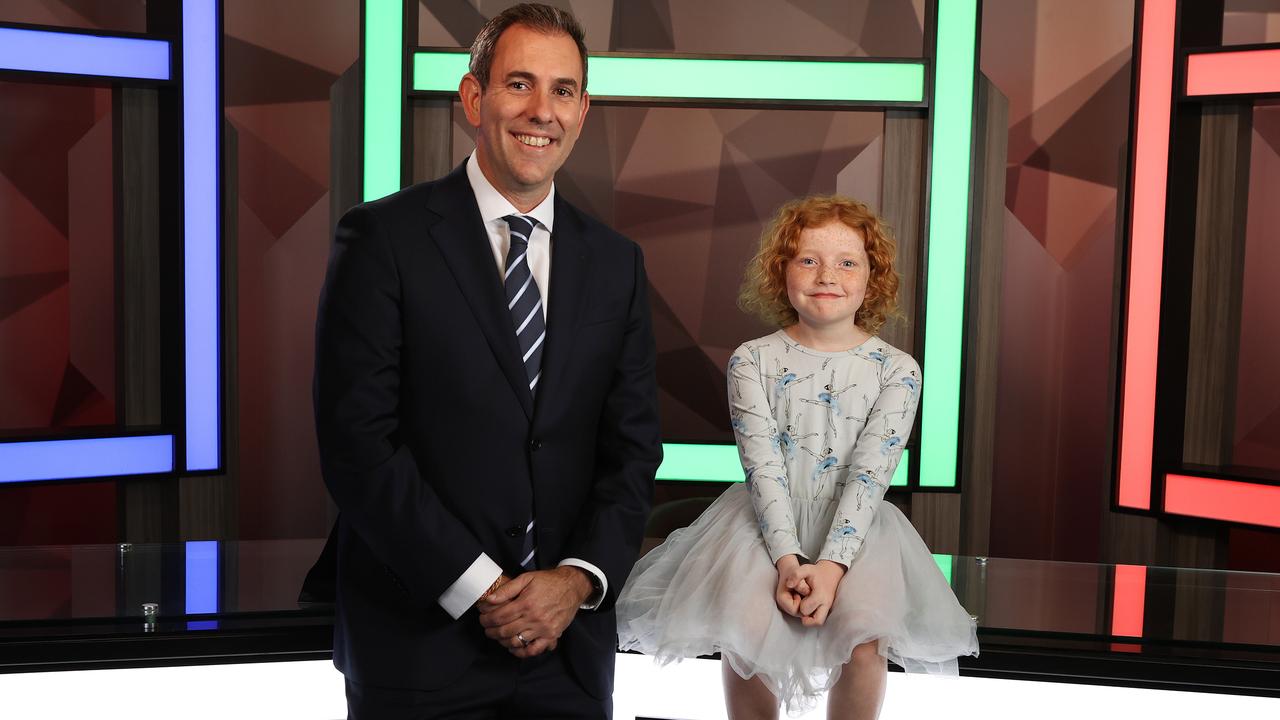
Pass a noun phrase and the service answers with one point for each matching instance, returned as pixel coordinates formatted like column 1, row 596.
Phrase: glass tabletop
column 164, row 580
column 203, row 581
column 1118, row 602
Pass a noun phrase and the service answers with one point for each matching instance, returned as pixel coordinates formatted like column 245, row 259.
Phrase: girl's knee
column 867, row 655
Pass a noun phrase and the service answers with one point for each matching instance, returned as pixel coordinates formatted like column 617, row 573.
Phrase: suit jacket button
column 514, row 531
column 535, row 445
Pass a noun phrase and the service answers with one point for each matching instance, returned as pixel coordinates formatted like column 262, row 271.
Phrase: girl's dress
column 819, row 435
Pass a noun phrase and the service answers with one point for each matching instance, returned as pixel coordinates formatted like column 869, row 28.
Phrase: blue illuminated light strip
column 202, row 577
column 97, row 457
column 201, row 231
column 76, row 54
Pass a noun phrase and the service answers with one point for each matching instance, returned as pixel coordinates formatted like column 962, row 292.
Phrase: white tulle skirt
column 709, row 588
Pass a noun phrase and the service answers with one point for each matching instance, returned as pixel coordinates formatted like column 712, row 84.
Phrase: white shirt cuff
column 594, row 600
column 466, row 590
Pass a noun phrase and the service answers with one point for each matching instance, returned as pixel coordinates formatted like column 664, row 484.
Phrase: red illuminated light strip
column 1244, row 72
column 1129, row 600
column 1146, row 253
column 1230, row 500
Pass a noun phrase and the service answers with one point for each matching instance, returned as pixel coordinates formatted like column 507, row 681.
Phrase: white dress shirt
column 473, row 583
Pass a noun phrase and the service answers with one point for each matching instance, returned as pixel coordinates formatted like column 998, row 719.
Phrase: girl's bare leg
column 747, row 699
column 859, row 692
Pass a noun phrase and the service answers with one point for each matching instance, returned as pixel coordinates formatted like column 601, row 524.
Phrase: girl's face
column 827, row 279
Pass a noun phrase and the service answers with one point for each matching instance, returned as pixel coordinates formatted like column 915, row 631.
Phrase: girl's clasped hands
column 807, row 591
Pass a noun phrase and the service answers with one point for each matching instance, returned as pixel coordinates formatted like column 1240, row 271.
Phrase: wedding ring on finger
column 523, row 642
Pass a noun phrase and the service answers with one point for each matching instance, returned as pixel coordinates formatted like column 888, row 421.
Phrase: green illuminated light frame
column 946, row 563
column 955, row 72
column 383, row 54
column 857, row 82
column 671, row 78
column 719, row 463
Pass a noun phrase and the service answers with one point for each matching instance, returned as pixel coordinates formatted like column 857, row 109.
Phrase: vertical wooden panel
column 954, row 522
column 901, row 193
column 1199, row 606
column 1222, row 174
column 148, row 510
column 1191, row 602
column 936, row 516
column 982, row 336
column 1127, row 539
column 344, row 144
column 345, row 186
column 1217, row 283
column 147, row 507
column 139, row 256
column 1217, row 275
column 432, row 138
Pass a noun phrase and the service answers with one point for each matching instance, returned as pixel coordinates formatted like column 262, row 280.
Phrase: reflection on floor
column 685, row 691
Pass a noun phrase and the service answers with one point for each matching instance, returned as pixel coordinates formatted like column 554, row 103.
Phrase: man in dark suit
column 487, row 412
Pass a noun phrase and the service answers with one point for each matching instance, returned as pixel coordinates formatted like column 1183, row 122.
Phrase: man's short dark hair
column 535, row 16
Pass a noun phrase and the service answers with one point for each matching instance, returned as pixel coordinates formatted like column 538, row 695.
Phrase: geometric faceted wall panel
column 278, row 83
column 57, row 324
column 1067, row 133
column 1256, row 441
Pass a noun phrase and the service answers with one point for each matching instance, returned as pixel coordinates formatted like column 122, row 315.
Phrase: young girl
column 801, row 577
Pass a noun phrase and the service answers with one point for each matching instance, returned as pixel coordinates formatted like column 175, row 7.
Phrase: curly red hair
column 764, row 290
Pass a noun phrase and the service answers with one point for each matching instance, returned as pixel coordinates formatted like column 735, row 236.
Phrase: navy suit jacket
column 434, row 449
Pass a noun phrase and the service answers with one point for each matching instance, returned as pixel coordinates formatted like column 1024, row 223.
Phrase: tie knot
column 521, row 227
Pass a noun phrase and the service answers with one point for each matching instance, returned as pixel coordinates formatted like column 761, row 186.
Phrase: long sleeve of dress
column 875, row 456
column 756, row 433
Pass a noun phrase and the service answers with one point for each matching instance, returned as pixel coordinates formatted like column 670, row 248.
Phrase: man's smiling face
column 530, row 115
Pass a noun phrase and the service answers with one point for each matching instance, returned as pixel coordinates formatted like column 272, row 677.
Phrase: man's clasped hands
column 526, row 614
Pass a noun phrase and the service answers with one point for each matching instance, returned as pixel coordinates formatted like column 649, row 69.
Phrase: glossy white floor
column 687, row 691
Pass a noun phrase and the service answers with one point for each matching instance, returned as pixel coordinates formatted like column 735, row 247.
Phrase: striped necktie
column 525, row 303
column 523, row 298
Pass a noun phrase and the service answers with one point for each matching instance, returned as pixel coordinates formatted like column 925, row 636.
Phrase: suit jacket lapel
column 570, row 254
column 460, row 235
